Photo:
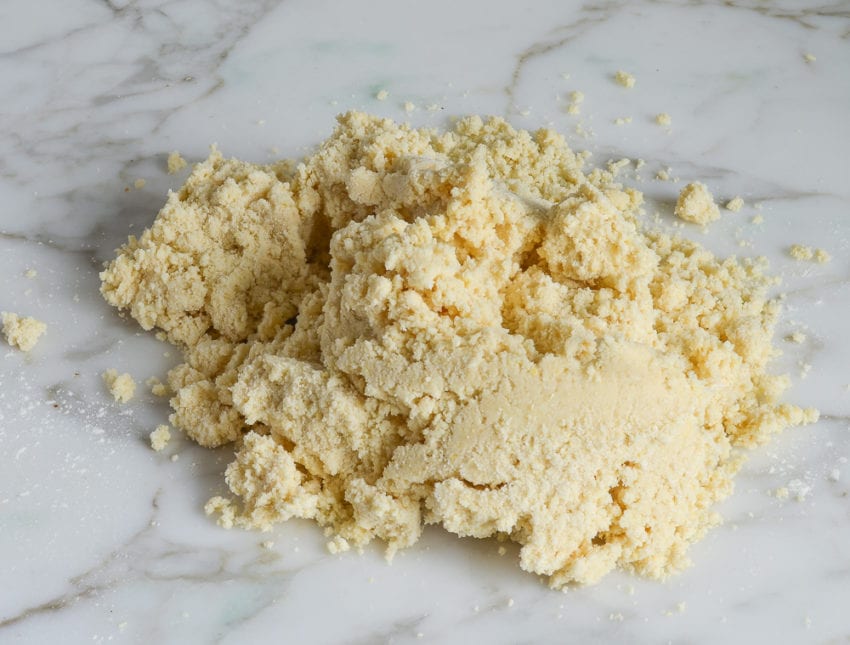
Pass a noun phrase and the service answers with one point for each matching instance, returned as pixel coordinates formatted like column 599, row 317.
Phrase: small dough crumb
column 409, row 106
column 157, row 387
column 758, row 219
column 382, row 95
column 139, row 184
column 122, row 387
column 801, row 252
column 663, row 119
column 809, row 57
column 160, row 437
column 696, row 205
column 21, row 332
column 821, row 256
column 624, row 78
column 735, row 204
column 623, row 120
column 176, row 163
column 30, row 273
column 797, row 337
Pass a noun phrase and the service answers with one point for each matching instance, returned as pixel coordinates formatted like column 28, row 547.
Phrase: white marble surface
column 101, row 539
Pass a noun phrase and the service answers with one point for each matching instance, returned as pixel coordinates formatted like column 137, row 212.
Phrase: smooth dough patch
column 463, row 328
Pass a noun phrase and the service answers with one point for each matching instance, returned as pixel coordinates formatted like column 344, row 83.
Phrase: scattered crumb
column 622, row 120
column 797, row 337
column 614, row 167
column 139, row 184
column 663, row 174
column 809, row 57
column 525, row 112
column 805, row 368
column 176, row 163
column 158, row 388
column 781, row 493
column 432, row 107
column 639, row 163
column 510, row 602
column 800, row 252
column 22, row 333
column 822, row 257
column 122, row 388
column 663, row 119
column 696, row 205
column 267, row 544
column 160, row 437
column 576, row 99
column 681, row 607
column 735, row 204
column 382, row 95
column 409, row 107
column 502, row 550
column 30, row 273
column 758, row 219
column 175, row 457
column 624, row 78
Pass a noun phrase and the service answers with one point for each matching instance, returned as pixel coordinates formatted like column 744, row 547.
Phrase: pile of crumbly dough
column 461, row 328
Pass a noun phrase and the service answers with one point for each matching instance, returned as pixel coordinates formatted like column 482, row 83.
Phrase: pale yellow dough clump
column 22, row 332
column 122, row 387
column 462, row 328
column 696, row 205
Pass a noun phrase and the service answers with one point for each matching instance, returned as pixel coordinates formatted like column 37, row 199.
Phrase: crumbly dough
column 21, row 332
column 160, row 437
column 663, row 119
column 696, row 205
column 158, row 388
column 122, row 387
column 176, row 163
column 463, row 328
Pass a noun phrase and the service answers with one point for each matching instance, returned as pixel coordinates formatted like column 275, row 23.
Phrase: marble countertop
column 101, row 539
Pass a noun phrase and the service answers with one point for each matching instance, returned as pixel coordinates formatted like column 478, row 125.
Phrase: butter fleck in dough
column 22, row 332
column 696, row 205
column 464, row 328
column 122, row 387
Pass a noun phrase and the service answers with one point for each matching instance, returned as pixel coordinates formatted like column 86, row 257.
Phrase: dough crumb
column 121, row 387
column 663, row 174
column 409, row 106
column 624, row 78
column 157, row 387
column 801, row 252
column 30, row 273
column 382, row 95
column 21, row 332
column 663, row 119
column 160, row 437
column 758, row 219
column 797, row 337
column 821, row 256
column 809, row 57
column 139, row 184
column 623, row 120
column 696, row 205
column 176, row 163
column 463, row 328
column 735, row 204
